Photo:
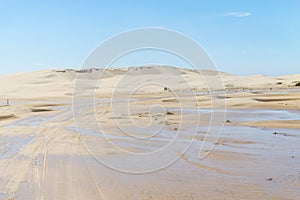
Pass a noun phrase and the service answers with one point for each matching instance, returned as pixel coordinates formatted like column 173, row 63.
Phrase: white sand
column 42, row 156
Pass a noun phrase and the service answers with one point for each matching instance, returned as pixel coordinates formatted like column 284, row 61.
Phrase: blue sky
column 242, row 36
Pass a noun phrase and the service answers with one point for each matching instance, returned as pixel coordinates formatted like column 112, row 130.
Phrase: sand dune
column 59, row 83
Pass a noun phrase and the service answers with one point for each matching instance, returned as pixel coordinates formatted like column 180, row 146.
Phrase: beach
column 89, row 134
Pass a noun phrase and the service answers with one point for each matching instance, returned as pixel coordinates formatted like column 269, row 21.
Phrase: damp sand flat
column 42, row 156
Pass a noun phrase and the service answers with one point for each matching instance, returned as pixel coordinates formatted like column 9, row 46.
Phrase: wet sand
column 257, row 156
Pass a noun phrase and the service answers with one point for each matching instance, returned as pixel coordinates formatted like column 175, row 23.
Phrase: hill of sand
column 60, row 83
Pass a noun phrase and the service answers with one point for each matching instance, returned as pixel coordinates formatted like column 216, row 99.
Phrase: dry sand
column 43, row 157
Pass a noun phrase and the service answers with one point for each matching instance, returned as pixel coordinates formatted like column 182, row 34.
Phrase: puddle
column 39, row 120
column 4, row 196
column 10, row 145
column 237, row 138
column 246, row 114
column 284, row 91
column 29, row 121
column 166, row 135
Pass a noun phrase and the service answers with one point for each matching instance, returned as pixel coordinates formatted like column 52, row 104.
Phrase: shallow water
column 246, row 114
column 11, row 145
column 242, row 161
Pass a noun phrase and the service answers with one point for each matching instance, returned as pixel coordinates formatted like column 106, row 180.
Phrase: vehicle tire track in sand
column 23, row 180
column 66, row 176
column 44, row 164
column 98, row 189
column 204, row 167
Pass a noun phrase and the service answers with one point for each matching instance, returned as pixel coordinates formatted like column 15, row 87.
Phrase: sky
column 243, row 37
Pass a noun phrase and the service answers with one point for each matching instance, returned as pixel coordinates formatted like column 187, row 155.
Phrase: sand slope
column 60, row 83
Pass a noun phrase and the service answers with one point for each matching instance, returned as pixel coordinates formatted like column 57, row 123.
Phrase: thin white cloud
column 236, row 14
